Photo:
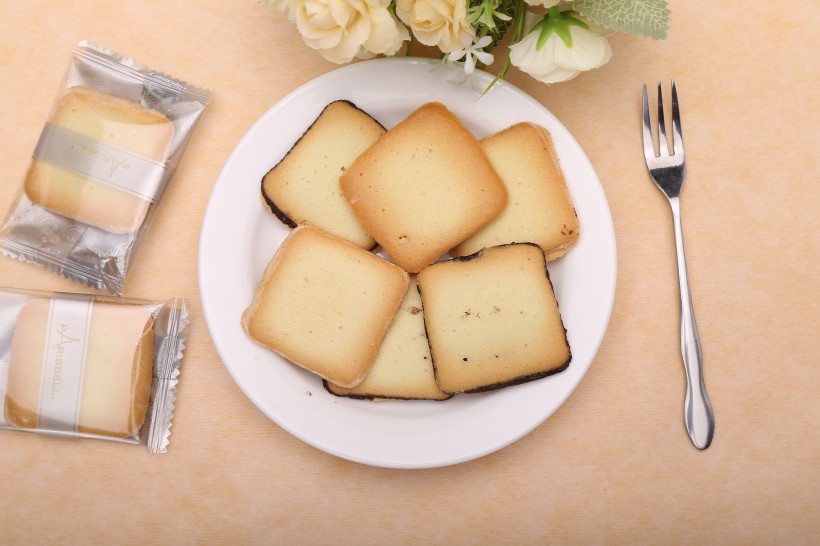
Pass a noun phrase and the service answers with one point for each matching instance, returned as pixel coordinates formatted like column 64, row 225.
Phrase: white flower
column 461, row 77
column 440, row 23
column 343, row 29
column 555, row 61
column 472, row 53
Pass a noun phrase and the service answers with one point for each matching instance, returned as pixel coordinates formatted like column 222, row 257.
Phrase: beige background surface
column 614, row 464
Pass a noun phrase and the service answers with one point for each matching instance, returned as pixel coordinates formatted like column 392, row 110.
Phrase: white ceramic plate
column 239, row 236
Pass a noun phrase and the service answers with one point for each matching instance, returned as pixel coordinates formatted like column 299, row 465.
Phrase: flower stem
column 520, row 11
column 409, row 45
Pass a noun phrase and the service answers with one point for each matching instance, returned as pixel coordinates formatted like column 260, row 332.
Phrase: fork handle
column 698, row 415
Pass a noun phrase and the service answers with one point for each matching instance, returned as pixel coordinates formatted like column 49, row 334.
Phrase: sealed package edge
column 112, row 141
column 89, row 366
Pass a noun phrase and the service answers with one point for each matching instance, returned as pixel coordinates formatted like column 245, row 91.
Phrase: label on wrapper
column 107, row 164
column 63, row 363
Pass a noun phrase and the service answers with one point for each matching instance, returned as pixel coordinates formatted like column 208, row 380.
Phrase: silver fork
column 667, row 170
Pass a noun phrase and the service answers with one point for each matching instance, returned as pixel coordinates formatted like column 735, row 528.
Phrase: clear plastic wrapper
column 90, row 366
column 110, row 145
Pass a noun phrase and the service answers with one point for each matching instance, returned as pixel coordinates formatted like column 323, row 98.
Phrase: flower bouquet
column 549, row 40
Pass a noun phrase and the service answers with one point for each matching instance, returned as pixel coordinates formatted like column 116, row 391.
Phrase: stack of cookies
column 459, row 297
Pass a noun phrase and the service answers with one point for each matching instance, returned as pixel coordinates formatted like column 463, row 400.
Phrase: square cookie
column 113, row 345
column 423, row 187
column 492, row 319
column 325, row 305
column 539, row 209
column 118, row 124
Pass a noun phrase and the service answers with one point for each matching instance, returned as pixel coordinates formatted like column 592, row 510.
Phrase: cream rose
column 343, row 29
column 440, row 23
column 401, row 36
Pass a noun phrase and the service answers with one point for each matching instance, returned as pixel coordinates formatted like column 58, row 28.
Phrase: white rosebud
column 343, row 29
column 555, row 61
column 440, row 23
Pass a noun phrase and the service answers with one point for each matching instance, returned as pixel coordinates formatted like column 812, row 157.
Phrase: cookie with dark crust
column 303, row 187
column 492, row 319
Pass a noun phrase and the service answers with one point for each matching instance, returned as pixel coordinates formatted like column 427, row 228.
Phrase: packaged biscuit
column 109, row 147
column 89, row 366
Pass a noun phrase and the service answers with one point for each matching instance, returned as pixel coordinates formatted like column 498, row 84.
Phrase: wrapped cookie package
column 113, row 139
column 90, row 366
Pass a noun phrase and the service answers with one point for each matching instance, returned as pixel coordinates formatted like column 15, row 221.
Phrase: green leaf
column 643, row 17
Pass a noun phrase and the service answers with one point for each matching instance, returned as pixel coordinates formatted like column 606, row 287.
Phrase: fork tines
column 677, row 135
